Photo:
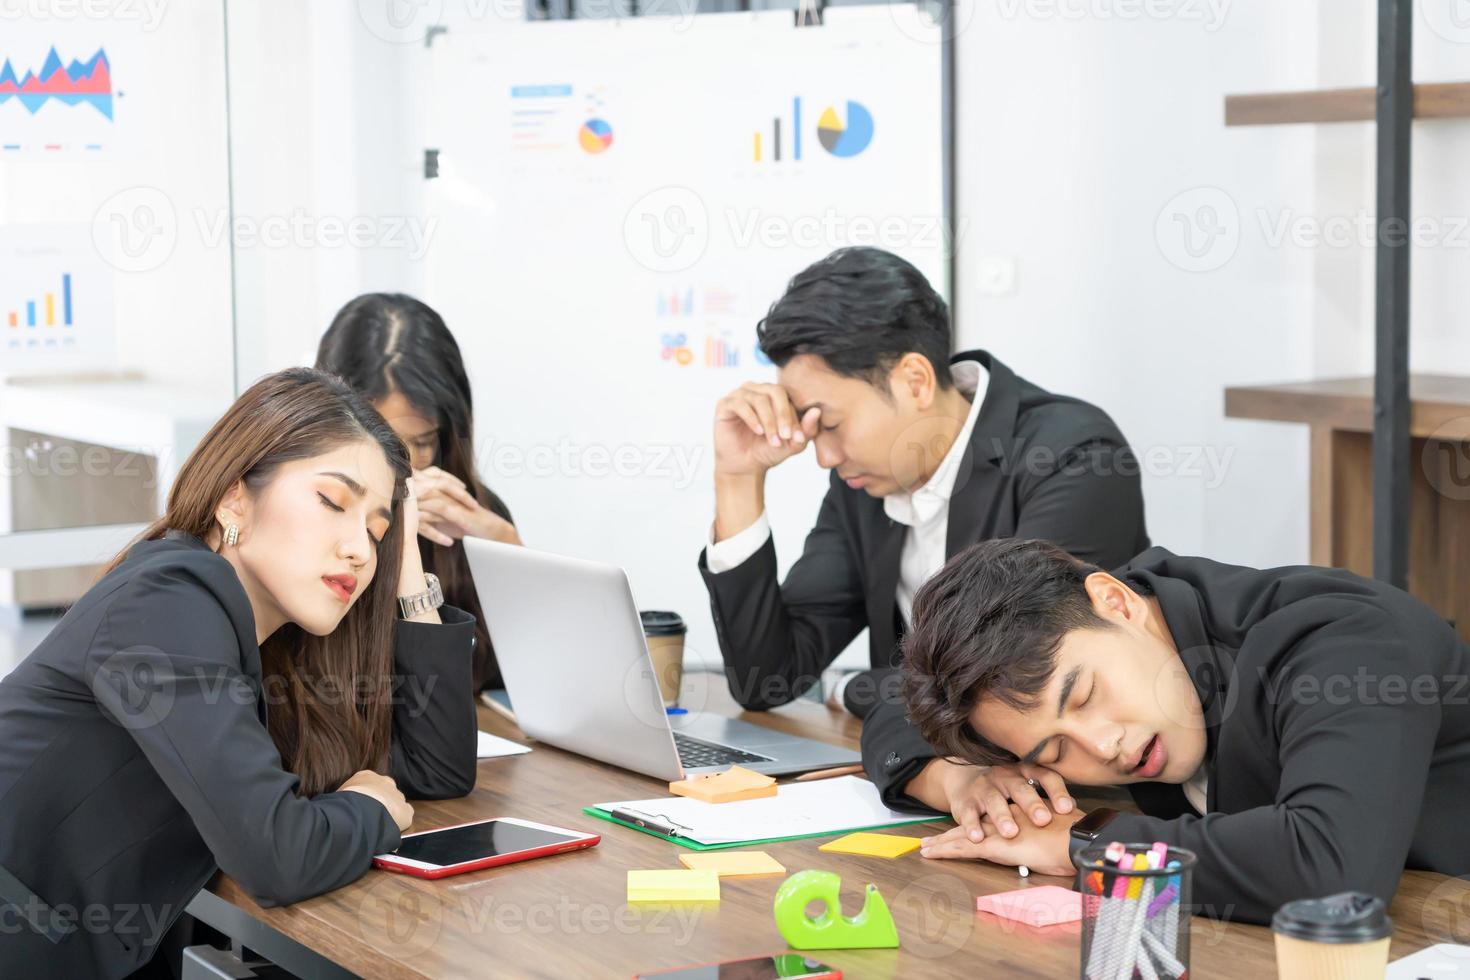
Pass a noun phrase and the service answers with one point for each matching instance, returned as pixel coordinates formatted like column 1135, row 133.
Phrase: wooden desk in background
column 566, row 916
column 1339, row 413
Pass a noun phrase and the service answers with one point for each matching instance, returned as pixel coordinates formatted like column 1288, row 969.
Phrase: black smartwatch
column 1086, row 831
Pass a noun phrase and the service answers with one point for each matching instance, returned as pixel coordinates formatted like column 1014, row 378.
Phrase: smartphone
column 779, row 966
column 482, row 844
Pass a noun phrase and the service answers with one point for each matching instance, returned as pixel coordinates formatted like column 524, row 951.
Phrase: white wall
column 326, row 146
column 1077, row 138
column 1344, row 167
column 328, row 110
column 1440, row 314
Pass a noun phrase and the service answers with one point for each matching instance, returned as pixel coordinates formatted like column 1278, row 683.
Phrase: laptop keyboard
column 696, row 754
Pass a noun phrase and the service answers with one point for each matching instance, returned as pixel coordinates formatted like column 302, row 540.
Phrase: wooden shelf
column 1448, row 100
column 1339, row 414
column 1439, row 404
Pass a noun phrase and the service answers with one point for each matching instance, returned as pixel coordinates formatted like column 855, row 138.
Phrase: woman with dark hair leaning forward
column 236, row 692
column 397, row 351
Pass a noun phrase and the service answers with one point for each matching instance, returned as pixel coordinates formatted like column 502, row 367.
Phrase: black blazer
column 1038, row 465
column 1338, row 734
column 136, row 762
column 436, row 557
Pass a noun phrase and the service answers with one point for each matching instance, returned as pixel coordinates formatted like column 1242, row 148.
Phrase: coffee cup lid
column 1350, row 917
column 660, row 623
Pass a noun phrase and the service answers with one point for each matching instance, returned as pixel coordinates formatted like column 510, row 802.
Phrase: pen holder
column 1135, row 918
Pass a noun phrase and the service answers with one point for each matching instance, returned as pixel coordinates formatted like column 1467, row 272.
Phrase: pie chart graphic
column 596, row 136
column 845, row 140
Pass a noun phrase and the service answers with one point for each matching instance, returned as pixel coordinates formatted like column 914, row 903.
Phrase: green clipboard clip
column 871, row 928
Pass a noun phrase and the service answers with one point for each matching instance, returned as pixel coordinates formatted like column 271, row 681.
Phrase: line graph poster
column 56, row 99
column 635, row 194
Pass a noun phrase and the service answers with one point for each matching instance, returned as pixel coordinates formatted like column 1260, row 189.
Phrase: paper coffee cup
column 1341, row 937
column 664, row 632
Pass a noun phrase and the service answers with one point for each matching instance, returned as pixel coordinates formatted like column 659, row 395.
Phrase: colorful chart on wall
column 115, row 128
column 56, row 101
column 635, row 194
column 56, row 299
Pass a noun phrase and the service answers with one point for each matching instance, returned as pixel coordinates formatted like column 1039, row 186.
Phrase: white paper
column 824, row 806
column 493, row 746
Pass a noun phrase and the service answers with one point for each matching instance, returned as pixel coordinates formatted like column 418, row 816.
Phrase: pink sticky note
column 1045, row 905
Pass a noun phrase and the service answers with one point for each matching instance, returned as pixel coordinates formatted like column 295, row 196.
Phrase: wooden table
column 1339, row 412
column 566, row 916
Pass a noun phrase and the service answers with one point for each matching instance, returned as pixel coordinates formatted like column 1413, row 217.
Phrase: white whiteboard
column 608, row 187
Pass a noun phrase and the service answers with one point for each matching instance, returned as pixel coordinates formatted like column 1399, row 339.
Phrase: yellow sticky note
column 733, row 864
column 873, row 845
column 673, row 886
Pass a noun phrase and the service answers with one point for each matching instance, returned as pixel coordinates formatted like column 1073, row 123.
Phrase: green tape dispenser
column 871, row 928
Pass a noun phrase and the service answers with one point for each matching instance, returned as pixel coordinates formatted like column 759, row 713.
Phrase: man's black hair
column 860, row 310
column 988, row 625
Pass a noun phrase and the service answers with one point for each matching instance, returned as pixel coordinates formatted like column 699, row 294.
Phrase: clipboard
column 656, row 826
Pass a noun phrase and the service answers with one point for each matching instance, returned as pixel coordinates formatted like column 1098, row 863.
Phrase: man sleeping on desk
column 1304, row 731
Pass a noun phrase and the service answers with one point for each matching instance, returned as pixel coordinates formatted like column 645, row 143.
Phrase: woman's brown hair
column 382, row 343
column 329, row 697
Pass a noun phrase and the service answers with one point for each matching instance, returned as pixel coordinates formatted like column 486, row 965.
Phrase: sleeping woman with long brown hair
column 255, row 685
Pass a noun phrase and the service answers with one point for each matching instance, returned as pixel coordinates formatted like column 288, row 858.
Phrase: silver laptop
column 570, row 646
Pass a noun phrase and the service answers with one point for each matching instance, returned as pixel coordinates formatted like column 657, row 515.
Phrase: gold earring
column 232, row 535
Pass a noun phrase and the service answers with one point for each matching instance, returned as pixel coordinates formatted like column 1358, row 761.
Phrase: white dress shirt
column 925, row 510
column 1197, row 790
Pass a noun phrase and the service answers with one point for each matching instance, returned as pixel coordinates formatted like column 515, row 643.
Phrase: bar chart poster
column 57, row 98
column 55, row 301
column 639, row 192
